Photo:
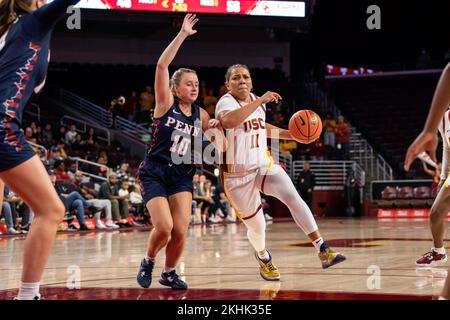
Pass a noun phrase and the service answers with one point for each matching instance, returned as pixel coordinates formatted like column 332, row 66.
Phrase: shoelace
column 428, row 254
column 148, row 267
column 270, row 266
column 173, row 277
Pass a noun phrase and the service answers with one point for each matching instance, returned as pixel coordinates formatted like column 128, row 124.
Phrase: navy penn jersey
column 24, row 57
column 174, row 135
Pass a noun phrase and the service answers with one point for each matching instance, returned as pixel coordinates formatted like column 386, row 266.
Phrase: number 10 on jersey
column 180, row 145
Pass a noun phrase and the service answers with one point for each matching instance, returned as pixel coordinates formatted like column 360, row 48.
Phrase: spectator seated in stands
column 71, row 134
column 110, row 190
column 223, row 205
column 60, row 171
column 342, row 139
column 72, row 201
column 123, row 172
column 287, row 146
column 317, row 150
column 14, row 204
column 91, row 140
column 87, row 190
column 7, row 214
column 137, row 202
column 47, row 135
column 79, row 144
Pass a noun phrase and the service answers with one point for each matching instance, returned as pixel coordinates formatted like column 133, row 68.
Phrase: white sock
column 439, row 250
column 265, row 256
column 318, row 243
column 28, row 290
column 442, row 298
column 147, row 259
column 168, row 269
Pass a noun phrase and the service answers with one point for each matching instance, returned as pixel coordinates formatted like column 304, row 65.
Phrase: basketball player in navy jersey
column 167, row 185
column 25, row 31
column 428, row 141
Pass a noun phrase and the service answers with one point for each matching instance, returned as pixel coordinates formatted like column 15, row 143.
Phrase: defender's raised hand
column 188, row 23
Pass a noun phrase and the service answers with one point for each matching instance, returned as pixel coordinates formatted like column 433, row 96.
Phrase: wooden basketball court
column 219, row 264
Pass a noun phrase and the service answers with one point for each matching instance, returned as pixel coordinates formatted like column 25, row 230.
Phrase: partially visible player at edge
column 428, row 141
column 249, row 169
column 25, row 31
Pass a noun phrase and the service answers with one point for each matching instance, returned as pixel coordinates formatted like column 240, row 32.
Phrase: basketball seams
column 308, row 125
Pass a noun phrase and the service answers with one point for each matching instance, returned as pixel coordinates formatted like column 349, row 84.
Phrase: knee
column 57, row 212
column 164, row 229
column 435, row 215
column 179, row 234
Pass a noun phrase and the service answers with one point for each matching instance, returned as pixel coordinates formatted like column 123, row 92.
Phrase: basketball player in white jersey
column 249, row 169
column 427, row 141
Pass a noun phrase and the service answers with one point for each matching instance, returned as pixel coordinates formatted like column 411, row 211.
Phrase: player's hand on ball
column 270, row 96
column 188, row 23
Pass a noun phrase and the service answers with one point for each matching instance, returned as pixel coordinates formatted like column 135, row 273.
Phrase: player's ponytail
column 10, row 10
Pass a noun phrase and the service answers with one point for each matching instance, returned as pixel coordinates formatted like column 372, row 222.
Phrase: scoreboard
column 235, row 7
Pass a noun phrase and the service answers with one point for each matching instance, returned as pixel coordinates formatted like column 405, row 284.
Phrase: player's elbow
column 228, row 123
column 161, row 65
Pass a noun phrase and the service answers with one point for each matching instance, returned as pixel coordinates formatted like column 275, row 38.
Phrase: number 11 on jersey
column 255, row 140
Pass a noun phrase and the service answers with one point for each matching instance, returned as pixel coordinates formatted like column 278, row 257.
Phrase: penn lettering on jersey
column 182, row 126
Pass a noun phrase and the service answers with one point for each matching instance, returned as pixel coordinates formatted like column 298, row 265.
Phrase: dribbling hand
column 270, row 96
column 188, row 23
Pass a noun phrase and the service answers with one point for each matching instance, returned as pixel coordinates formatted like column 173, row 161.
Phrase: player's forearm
column 232, row 119
column 278, row 133
column 441, row 101
column 170, row 52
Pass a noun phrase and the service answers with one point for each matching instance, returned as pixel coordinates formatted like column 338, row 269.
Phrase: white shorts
column 243, row 191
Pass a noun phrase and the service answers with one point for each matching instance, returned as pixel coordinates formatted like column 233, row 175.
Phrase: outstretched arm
column 232, row 119
column 163, row 96
column 278, row 133
column 427, row 139
column 42, row 20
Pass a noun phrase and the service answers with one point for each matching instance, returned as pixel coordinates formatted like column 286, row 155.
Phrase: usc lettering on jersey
column 247, row 143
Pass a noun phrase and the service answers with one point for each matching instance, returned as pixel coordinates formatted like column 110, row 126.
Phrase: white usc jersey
column 444, row 130
column 247, row 143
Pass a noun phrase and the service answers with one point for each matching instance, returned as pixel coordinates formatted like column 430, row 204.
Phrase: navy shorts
column 14, row 150
column 164, row 179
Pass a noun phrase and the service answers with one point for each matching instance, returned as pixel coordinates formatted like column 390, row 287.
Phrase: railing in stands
column 132, row 130
column 37, row 147
column 36, row 112
column 99, row 115
column 331, row 175
column 82, row 127
column 361, row 151
column 78, row 160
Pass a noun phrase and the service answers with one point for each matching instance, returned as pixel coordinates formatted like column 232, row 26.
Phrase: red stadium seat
column 389, row 193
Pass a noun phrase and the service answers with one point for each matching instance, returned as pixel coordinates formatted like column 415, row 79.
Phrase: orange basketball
column 305, row 126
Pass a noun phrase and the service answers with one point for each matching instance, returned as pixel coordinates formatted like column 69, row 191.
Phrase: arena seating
column 389, row 110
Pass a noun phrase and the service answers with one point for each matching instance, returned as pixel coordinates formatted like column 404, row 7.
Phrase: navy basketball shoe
column 172, row 280
column 144, row 276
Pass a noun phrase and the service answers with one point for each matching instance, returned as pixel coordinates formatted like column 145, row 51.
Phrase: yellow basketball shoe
column 267, row 269
column 328, row 257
